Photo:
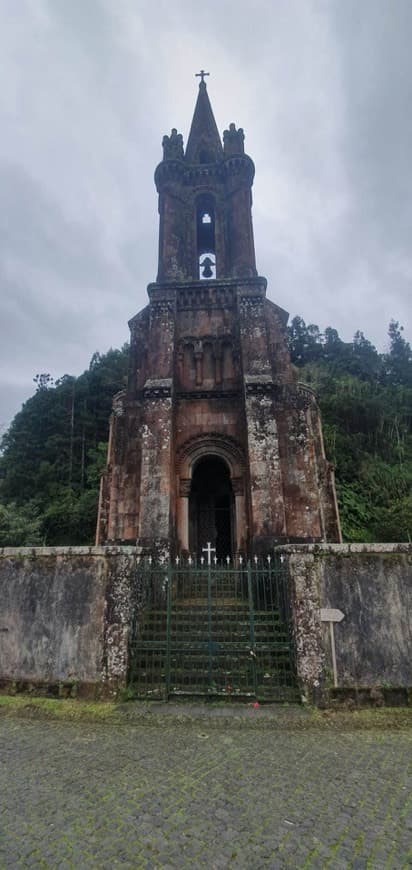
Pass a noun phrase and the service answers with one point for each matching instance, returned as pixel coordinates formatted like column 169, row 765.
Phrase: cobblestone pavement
column 95, row 796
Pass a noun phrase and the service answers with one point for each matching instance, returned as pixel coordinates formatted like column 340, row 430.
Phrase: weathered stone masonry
column 66, row 615
column 209, row 368
column 371, row 584
column 65, row 618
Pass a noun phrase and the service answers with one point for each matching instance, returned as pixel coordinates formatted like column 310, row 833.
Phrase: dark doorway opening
column 211, row 508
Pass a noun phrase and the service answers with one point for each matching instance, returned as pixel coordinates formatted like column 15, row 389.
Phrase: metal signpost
column 331, row 615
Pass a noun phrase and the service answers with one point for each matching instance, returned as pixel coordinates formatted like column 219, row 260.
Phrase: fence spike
column 240, row 560
column 202, row 559
column 215, row 559
column 189, row 560
column 150, row 560
column 269, row 559
column 177, row 560
column 255, row 559
column 228, row 560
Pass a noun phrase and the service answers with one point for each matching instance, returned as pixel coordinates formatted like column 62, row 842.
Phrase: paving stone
column 137, row 796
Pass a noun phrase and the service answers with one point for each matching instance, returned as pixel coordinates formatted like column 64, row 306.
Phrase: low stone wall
column 64, row 619
column 372, row 587
column 65, row 615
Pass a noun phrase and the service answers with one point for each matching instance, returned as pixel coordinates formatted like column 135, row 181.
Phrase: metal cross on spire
column 201, row 75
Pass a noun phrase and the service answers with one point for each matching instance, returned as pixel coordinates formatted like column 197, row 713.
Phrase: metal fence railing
column 215, row 630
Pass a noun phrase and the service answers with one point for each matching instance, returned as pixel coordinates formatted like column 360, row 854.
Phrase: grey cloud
column 36, row 233
column 323, row 92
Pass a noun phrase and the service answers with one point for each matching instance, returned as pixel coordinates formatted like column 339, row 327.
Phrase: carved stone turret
column 233, row 141
column 173, row 146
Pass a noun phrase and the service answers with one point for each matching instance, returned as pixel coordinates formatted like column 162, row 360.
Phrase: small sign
column 329, row 614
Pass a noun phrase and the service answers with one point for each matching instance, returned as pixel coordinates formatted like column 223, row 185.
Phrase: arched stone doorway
column 228, row 471
column 211, row 508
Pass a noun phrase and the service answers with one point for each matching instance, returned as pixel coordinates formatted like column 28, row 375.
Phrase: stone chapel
column 213, row 440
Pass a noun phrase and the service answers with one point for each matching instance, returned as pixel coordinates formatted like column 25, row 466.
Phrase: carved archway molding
column 212, row 444
column 196, row 448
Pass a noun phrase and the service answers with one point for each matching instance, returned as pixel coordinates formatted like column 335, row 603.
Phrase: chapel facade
column 213, row 441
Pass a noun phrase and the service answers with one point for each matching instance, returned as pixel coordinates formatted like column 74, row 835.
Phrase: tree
column 19, row 527
column 55, row 449
column 304, row 341
column 44, row 381
column 399, row 359
column 366, row 405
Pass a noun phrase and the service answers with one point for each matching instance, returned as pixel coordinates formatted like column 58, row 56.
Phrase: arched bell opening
column 211, row 509
column 205, row 236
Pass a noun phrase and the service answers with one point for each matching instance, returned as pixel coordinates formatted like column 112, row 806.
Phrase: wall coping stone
column 35, row 552
column 127, row 550
column 343, row 549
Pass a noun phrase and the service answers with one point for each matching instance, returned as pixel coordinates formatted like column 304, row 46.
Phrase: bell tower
column 205, row 202
column 213, row 440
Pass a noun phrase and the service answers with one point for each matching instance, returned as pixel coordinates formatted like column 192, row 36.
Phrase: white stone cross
column 209, row 550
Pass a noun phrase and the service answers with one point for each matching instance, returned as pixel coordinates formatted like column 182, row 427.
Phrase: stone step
column 222, row 640
column 193, row 681
column 279, row 670
column 263, row 654
column 241, row 617
column 217, row 632
column 189, row 680
column 212, row 626
column 209, row 651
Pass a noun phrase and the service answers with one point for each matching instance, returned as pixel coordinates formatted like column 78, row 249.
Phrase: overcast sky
column 323, row 90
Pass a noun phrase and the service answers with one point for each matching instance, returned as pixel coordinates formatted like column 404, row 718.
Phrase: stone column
column 183, row 514
column 199, row 362
column 241, row 529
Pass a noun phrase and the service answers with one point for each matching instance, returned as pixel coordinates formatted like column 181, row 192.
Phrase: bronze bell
column 206, row 268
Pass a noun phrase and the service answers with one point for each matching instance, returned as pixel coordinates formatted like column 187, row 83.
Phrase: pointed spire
column 204, row 144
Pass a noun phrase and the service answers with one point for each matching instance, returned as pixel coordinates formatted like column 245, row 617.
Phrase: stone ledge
column 351, row 697
column 36, row 552
column 343, row 549
column 61, row 689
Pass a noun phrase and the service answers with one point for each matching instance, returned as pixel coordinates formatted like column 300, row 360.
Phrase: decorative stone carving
column 173, row 146
column 184, row 487
column 238, row 485
column 233, row 141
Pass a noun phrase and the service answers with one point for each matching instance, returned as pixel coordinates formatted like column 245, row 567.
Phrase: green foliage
column 72, row 517
column 19, row 527
column 366, row 404
column 53, row 455
column 55, row 449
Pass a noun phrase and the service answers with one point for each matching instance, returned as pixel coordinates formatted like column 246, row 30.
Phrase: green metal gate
column 212, row 630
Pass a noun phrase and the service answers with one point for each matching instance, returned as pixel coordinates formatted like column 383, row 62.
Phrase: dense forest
column 53, row 454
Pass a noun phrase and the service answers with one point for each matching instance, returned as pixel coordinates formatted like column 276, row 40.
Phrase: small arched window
column 205, row 236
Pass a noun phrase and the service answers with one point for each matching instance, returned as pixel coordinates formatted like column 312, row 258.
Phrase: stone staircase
column 216, row 648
